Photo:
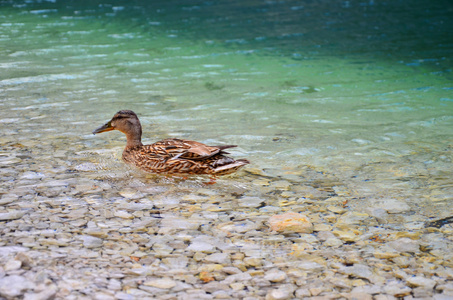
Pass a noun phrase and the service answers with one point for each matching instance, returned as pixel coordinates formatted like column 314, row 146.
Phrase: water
column 358, row 91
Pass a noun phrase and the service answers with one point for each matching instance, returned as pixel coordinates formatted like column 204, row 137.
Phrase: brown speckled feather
column 170, row 155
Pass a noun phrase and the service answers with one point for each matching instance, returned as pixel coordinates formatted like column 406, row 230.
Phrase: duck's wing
column 185, row 149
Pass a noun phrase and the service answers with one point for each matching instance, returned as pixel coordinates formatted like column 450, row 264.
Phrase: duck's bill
column 104, row 128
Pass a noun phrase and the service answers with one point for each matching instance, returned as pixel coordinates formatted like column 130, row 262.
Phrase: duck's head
column 125, row 121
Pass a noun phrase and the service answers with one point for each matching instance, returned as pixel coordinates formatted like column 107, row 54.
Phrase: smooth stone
column 240, row 227
column 417, row 281
column 201, row 247
column 302, row 293
column 405, row 245
column 322, row 227
column 176, row 262
column 7, row 250
column 12, row 215
column 353, row 218
column 250, row 202
column 333, row 242
column 386, row 255
column 392, row 206
column 310, row 266
column 285, row 291
column 14, row 286
column 171, row 222
column 91, row 241
column 336, row 209
column 397, row 289
column 275, row 276
column 32, row 175
column 48, row 293
column 131, row 194
column 358, row 270
column 360, row 295
column 240, row 277
column 12, row 265
column 253, row 261
column 291, row 222
column 8, row 198
column 281, row 185
column 346, row 236
column 162, row 283
column 218, row 258
column 123, row 214
column 215, row 286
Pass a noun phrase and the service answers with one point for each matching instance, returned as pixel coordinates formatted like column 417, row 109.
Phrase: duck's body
column 171, row 156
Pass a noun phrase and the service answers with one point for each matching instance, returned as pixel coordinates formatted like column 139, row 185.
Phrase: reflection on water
column 361, row 90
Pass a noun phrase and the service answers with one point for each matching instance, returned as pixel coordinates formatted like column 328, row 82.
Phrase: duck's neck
column 134, row 138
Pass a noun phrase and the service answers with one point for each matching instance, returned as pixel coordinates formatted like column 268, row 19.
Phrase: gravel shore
column 72, row 231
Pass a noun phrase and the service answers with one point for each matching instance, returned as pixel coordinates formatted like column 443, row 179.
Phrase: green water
column 361, row 90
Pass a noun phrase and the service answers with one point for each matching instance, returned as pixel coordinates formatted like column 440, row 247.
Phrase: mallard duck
column 171, row 155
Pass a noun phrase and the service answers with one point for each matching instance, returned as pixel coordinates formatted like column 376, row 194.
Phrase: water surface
column 359, row 91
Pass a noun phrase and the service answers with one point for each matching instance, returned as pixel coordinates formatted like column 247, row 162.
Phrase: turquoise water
column 359, row 90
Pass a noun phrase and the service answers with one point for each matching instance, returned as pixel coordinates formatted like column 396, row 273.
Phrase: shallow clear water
column 359, row 91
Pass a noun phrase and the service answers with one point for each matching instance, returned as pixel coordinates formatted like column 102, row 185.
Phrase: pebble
column 392, row 206
column 219, row 258
column 15, row 286
column 12, row 265
column 201, row 247
column 290, row 222
column 250, row 202
column 162, row 283
column 405, row 245
column 91, row 241
column 421, row 281
column 12, row 215
column 285, row 291
column 8, row 198
column 275, row 275
column 358, row 271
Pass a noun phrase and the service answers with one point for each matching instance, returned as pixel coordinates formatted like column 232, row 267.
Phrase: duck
column 170, row 156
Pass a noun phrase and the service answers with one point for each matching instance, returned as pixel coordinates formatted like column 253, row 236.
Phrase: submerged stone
column 290, row 222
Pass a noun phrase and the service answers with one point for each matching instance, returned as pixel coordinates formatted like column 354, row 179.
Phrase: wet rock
column 290, row 222
column 352, row 218
column 392, row 206
column 250, row 202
